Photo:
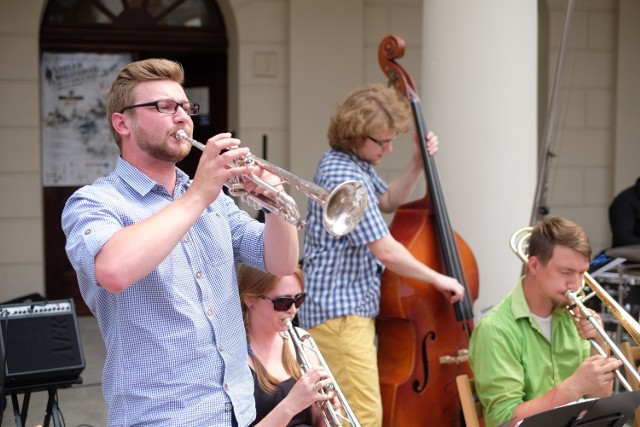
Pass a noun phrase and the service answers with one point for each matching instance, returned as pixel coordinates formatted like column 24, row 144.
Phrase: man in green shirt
column 528, row 355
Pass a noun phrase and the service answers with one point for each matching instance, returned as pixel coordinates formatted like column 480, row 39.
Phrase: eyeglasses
column 285, row 303
column 169, row 107
column 382, row 144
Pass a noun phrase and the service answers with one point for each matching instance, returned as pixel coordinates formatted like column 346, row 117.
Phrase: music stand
column 610, row 411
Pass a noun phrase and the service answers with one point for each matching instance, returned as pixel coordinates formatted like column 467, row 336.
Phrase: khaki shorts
column 348, row 346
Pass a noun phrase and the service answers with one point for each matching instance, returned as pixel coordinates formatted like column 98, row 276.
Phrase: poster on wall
column 77, row 146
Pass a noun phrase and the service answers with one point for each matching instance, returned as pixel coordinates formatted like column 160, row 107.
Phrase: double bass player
column 343, row 274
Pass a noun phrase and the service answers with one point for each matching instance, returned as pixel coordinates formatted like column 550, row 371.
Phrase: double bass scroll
column 422, row 339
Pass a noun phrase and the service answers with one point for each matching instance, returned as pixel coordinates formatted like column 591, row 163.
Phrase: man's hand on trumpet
column 270, row 178
column 215, row 166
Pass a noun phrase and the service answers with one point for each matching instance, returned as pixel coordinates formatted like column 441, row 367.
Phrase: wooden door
column 143, row 29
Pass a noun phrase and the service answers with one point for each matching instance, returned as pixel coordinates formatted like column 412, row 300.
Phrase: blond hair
column 254, row 283
column 365, row 111
column 121, row 92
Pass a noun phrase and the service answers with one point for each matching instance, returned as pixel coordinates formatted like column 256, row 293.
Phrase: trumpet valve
column 237, row 190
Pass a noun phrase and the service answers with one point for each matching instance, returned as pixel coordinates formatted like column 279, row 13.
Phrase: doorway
column 191, row 32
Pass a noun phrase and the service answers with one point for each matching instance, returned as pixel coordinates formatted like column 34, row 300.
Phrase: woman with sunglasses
column 283, row 395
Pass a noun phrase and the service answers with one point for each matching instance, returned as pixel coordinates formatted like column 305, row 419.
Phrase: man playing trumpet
column 155, row 255
column 528, row 354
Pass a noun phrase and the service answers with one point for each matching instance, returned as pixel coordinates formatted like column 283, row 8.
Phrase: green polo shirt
column 513, row 362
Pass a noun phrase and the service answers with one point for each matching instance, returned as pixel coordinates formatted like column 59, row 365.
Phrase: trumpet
column 519, row 244
column 332, row 417
column 342, row 209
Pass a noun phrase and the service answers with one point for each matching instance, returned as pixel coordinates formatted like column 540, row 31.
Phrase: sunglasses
column 285, row 303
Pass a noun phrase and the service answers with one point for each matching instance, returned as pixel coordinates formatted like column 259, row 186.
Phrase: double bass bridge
column 462, row 357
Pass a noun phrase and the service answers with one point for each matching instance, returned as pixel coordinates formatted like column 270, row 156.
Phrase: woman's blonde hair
column 365, row 111
column 120, row 93
column 254, row 283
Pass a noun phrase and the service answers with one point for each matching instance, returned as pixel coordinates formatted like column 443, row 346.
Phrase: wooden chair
column 632, row 354
column 471, row 406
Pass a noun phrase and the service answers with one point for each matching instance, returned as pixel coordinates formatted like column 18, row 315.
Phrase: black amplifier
column 40, row 343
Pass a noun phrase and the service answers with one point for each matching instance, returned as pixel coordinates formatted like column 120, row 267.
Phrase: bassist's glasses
column 382, row 144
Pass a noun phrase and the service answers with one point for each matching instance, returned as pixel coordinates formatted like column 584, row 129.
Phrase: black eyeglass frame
column 195, row 105
column 382, row 144
column 285, row 303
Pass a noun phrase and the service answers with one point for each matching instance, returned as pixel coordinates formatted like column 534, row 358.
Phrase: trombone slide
column 573, row 296
column 331, row 417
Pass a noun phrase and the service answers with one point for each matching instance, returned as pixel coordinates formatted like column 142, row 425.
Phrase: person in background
column 155, row 253
column 528, row 354
column 624, row 217
column 284, row 395
column 342, row 274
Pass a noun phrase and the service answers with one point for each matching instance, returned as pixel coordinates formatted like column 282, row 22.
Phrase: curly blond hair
column 365, row 111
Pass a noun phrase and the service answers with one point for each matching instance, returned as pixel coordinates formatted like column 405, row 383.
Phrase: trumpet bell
column 344, row 208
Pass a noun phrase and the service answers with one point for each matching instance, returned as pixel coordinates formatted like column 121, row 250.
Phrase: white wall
column 291, row 61
column 21, row 225
column 626, row 157
column 580, row 178
column 480, row 95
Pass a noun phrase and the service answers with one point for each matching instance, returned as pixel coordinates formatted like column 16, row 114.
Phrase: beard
column 156, row 146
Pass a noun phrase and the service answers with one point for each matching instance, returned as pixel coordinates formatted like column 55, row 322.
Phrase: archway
column 192, row 32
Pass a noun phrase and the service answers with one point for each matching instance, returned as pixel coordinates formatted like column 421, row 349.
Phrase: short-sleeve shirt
column 342, row 276
column 175, row 340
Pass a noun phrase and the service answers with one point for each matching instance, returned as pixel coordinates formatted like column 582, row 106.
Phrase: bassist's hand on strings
column 432, row 146
column 450, row 288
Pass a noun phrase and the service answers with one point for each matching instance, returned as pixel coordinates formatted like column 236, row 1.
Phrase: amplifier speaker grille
column 40, row 343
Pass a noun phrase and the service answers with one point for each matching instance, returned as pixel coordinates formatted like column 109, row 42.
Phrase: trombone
column 519, row 244
column 342, row 209
column 332, row 418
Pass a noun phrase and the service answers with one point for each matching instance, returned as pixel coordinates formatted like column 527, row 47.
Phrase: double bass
column 423, row 339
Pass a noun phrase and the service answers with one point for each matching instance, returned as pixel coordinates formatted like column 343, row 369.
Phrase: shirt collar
column 141, row 182
column 520, row 308
column 365, row 166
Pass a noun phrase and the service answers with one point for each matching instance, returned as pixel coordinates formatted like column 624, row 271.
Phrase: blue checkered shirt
column 342, row 276
column 176, row 345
